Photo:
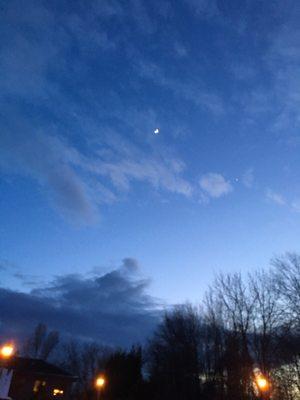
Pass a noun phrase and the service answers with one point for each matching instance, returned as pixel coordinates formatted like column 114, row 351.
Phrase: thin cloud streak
column 78, row 184
column 193, row 90
column 276, row 198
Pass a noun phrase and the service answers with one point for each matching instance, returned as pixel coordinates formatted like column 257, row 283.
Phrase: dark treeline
column 207, row 352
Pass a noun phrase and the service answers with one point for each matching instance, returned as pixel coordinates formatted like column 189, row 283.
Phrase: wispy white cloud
column 296, row 205
column 282, row 201
column 281, row 99
column 275, row 197
column 191, row 90
column 215, row 185
column 76, row 180
column 284, row 61
column 267, row 88
column 50, row 162
column 77, row 170
column 78, row 183
column 248, row 178
column 27, row 63
column 161, row 175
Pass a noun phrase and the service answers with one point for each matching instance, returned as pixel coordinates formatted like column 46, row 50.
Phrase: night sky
column 104, row 222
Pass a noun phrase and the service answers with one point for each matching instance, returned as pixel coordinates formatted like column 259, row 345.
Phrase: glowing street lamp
column 99, row 384
column 7, row 351
column 262, row 384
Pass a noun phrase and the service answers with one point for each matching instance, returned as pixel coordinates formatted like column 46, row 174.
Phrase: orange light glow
column 262, row 383
column 100, row 382
column 58, row 392
column 7, row 351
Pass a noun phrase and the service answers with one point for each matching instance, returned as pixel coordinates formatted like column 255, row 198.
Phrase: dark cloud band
column 113, row 309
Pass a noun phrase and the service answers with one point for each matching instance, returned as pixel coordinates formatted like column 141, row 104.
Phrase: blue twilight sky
column 89, row 190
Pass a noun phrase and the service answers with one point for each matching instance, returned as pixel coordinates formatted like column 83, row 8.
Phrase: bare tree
column 38, row 338
column 287, row 279
column 41, row 344
column 268, row 318
column 214, row 367
column 237, row 307
column 256, row 321
column 85, row 361
column 287, row 380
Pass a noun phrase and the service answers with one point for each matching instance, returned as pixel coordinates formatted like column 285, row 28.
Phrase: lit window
column 58, row 392
column 36, row 386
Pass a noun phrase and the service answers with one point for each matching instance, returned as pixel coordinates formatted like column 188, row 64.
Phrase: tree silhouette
column 41, row 344
column 174, row 355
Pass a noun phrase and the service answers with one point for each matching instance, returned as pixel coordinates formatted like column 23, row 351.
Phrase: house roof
column 34, row 366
